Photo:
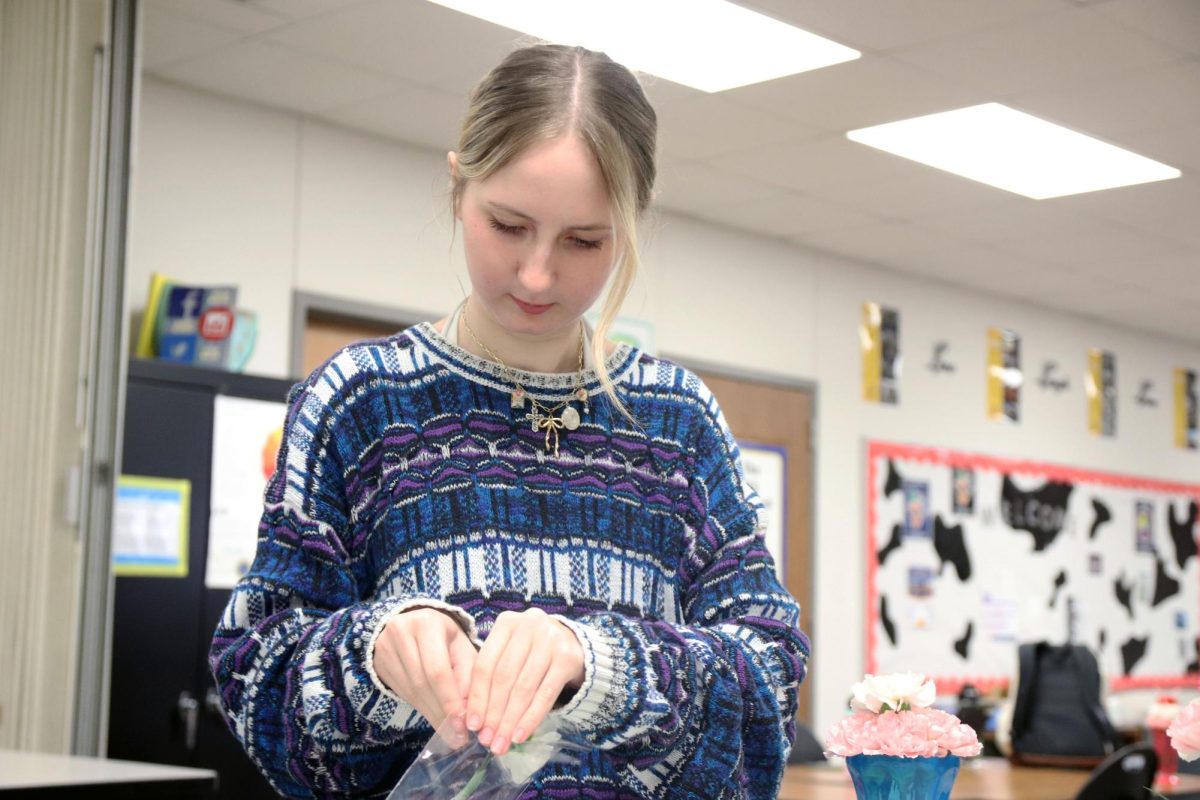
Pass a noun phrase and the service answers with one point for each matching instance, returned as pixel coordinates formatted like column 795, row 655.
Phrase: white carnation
column 895, row 692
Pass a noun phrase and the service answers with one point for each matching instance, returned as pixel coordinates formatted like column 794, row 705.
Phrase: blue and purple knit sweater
column 405, row 478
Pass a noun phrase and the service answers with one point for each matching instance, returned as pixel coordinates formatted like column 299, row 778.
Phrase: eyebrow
column 522, row 215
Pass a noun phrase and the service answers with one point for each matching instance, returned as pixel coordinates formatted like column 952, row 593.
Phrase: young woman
column 502, row 516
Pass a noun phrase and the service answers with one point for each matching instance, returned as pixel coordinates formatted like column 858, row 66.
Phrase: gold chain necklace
column 541, row 417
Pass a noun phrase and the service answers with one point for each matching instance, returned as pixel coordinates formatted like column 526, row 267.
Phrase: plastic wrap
column 455, row 766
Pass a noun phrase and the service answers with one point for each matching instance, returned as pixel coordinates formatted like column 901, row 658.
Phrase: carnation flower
column 1184, row 731
column 893, row 718
column 895, row 692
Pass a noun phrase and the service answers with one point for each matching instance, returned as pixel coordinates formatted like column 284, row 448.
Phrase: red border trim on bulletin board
column 951, row 684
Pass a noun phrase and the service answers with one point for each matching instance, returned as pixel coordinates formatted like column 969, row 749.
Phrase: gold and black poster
column 1102, row 392
column 1004, row 375
column 1186, row 423
column 879, row 336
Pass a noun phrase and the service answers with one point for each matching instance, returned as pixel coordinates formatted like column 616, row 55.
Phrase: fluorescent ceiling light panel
column 711, row 45
column 1014, row 151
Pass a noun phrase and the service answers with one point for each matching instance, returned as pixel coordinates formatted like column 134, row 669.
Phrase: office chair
column 1127, row 774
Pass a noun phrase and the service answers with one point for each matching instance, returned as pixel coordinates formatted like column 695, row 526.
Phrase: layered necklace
column 550, row 419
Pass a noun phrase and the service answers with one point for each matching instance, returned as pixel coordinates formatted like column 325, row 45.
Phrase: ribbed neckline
column 542, row 385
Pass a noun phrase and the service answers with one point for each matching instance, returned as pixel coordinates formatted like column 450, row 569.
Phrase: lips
column 532, row 308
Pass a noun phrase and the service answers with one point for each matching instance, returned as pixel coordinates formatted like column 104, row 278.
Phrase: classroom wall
column 226, row 191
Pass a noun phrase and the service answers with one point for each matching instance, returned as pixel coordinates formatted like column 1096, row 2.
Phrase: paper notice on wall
column 246, row 438
column 879, row 339
column 1102, row 393
column 1001, row 616
column 766, row 471
column 1004, row 375
column 1187, row 419
column 150, row 527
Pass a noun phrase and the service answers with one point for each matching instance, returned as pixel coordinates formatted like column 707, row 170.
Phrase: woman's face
column 538, row 238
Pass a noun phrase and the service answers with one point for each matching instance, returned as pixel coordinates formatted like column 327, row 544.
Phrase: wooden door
column 325, row 334
column 780, row 416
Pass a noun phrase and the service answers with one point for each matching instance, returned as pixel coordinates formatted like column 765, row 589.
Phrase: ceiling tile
column 1085, row 244
column 1175, row 22
column 712, row 125
column 810, row 164
column 874, row 25
column 1162, row 209
column 1107, row 109
column 922, row 192
column 414, row 114
column 276, row 76
column 1068, row 48
column 302, row 9
column 410, row 39
column 856, row 94
column 167, row 37
column 228, row 14
column 791, row 215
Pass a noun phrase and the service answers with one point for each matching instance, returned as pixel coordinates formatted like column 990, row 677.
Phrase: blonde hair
column 542, row 92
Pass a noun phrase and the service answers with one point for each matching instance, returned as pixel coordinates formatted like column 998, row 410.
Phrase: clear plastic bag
column 455, row 766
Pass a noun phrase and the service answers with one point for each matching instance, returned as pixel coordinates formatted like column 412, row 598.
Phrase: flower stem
column 473, row 784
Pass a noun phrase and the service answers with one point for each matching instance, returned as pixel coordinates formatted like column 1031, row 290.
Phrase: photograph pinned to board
column 963, row 490
column 1144, row 527
column 879, row 339
column 1004, row 375
column 765, row 468
column 150, row 527
column 917, row 521
column 1187, row 437
column 246, row 440
column 1102, row 392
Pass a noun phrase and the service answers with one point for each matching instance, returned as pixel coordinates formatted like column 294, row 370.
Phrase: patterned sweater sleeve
column 705, row 708
column 291, row 654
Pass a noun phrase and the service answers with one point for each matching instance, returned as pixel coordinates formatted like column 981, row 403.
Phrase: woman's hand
column 522, row 668
column 424, row 656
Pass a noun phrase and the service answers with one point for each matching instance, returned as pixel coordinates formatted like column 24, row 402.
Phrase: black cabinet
column 160, row 706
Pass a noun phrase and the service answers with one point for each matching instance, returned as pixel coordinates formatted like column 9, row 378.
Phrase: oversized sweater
column 406, row 478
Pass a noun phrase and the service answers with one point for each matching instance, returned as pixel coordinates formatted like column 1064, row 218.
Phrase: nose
column 536, row 272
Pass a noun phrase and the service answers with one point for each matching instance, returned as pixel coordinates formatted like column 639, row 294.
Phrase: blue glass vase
column 897, row 778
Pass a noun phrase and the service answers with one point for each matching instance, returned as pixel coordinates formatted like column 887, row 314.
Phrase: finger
column 435, row 661
column 418, row 694
column 462, row 661
column 541, row 704
column 481, row 675
column 528, row 681
column 504, row 677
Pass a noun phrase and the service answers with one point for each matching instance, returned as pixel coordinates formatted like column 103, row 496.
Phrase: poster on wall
column 1102, row 393
column 766, row 472
column 1004, row 375
column 150, row 527
column 1049, row 552
column 246, row 439
column 879, row 337
column 1187, row 437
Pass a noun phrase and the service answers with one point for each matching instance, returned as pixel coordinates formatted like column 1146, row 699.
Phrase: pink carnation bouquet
column 1184, row 731
column 893, row 717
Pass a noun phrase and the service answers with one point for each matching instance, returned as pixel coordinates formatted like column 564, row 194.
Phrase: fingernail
column 485, row 736
column 500, row 745
column 474, row 722
column 518, row 735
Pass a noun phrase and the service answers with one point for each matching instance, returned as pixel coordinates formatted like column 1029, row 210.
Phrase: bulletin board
column 969, row 555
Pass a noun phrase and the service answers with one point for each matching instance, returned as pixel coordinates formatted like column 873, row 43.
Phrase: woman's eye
column 500, row 226
column 586, row 244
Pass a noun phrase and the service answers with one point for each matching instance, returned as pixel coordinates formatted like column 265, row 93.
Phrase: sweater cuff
column 390, row 710
column 593, row 707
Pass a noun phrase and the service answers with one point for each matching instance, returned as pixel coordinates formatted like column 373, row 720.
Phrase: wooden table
column 978, row 779
column 43, row 775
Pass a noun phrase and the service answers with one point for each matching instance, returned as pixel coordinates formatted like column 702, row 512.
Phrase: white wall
column 228, row 191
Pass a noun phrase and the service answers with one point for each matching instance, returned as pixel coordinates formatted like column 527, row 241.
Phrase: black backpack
column 1057, row 718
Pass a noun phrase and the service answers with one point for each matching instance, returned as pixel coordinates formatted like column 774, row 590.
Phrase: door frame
column 306, row 303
